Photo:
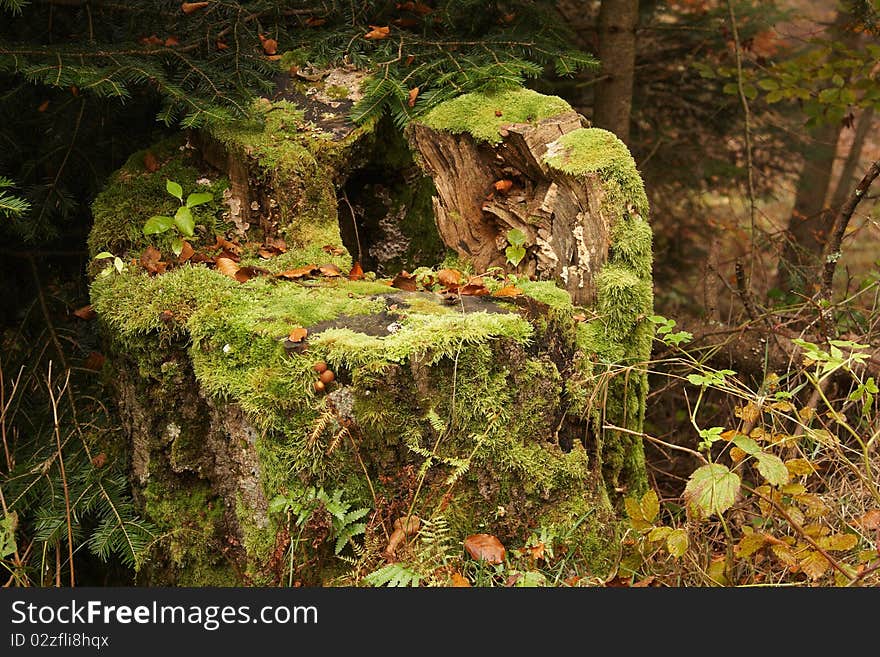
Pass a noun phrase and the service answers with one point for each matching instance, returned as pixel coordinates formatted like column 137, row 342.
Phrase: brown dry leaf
column 474, row 289
column 748, row 413
column 244, row 274
column 871, row 520
column 186, row 252
column 460, row 581
column 449, row 277
column 171, row 41
column 579, row 317
column 190, row 7
column 227, row 267
column 356, row 273
column 503, row 186
column 400, row 533
column 572, row 581
column 270, row 46
column 377, row 32
column 313, row 21
column 485, row 547
column 644, row 583
column 510, row 291
column 737, row 454
column 537, row 551
column 332, row 250
column 411, row 97
column 221, row 45
column 299, row 272
column 277, row 244
column 405, row 281
column 43, row 106
column 151, row 164
column 406, row 21
column 223, row 243
column 86, row 312
column 99, row 460
column 151, row 260
column 151, row 40
column 94, row 361
column 409, row 60
column 329, row 269
column 298, row 334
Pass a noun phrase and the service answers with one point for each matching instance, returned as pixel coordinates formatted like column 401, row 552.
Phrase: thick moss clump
column 478, row 113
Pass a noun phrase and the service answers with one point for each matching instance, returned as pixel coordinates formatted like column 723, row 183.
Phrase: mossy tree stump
column 492, row 409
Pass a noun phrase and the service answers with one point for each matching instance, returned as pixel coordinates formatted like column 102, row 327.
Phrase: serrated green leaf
column 184, row 221
column 650, row 504
column 7, row 535
column 711, row 489
column 746, row 444
column 198, row 198
column 677, row 543
column 659, row 533
column 157, row 224
column 772, row 468
column 174, row 189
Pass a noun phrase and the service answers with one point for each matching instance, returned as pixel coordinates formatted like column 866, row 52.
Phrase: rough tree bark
column 616, row 29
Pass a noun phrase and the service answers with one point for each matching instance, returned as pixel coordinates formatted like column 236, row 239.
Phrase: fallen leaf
column 411, row 98
column 94, row 361
column 298, row 334
column 151, row 164
column 449, row 277
column 499, row 113
column 512, row 579
column 401, row 532
column 579, row 317
column 503, row 185
column 409, row 60
column 151, row 40
column 99, row 460
column 356, row 273
column 229, row 255
column 151, row 260
column 572, row 581
column 227, row 267
column 485, row 547
column 405, row 281
column 332, row 250
column 378, row 32
column 186, row 252
column 171, row 41
column 644, row 583
column 222, row 243
column 86, row 312
column 330, row 270
column 871, row 520
column 460, row 581
column 43, row 106
column 221, row 45
column 509, row 291
column 244, row 274
column 537, row 551
column 190, row 7
column 313, row 21
column 475, row 288
column 270, row 46
column 299, row 272
column 406, row 21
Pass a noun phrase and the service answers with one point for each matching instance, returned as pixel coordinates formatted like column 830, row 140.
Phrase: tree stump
column 478, row 403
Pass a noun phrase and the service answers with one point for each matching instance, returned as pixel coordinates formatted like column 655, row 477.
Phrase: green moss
column 337, row 91
column 477, row 113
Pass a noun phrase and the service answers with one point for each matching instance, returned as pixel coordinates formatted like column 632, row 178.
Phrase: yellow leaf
column 748, row 413
column 677, row 543
column 838, row 542
column 650, row 505
column 749, row 544
column 799, row 467
column 814, row 564
column 736, row 454
column 659, row 533
column 815, row 530
column 793, row 489
column 813, row 505
column 786, row 556
column 784, row 406
column 717, row 572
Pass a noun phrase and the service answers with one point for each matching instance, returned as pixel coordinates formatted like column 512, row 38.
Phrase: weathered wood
column 567, row 233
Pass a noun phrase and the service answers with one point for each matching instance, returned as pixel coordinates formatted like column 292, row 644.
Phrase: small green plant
column 344, row 519
column 118, row 263
column 664, row 330
column 516, row 250
column 11, row 206
column 182, row 220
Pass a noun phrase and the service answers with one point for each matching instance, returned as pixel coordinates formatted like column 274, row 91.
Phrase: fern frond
column 394, row 574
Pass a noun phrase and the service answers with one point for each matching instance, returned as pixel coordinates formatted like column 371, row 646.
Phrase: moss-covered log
column 478, row 413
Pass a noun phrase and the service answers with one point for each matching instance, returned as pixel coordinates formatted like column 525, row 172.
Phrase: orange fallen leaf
column 459, row 581
column 227, row 267
column 406, row 21
column 377, row 32
column 222, row 243
column 151, row 164
column 244, row 274
column 221, row 45
column 313, row 21
column 503, row 186
column 86, row 312
column 401, row 532
column 332, row 250
column 537, row 551
column 356, row 273
column 449, row 277
column 151, row 40
column 186, row 252
column 579, row 317
column 405, row 281
column 413, row 94
column 508, row 291
column 409, row 60
column 572, row 581
column 485, row 547
column 474, row 291
column 644, row 583
column 99, row 460
column 94, row 361
column 151, row 260
column 190, row 7
column 171, row 42
column 871, row 520
column 43, row 106
column 298, row 272
column 330, row 270
column 270, row 46
column 298, row 334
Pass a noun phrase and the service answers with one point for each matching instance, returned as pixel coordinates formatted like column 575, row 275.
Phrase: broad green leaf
column 650, row 504
column 174, row 189
column 103, row 254
column 746, row 444
column 176, row 245
column 730, row 88
column 516, row 237
column 772, row 468
column 768, row 84
column 636, row 516
column 677, row 543
column 838, row 542
column 711, row 489
column 775, row 96
column 157, row 224
column 749, row 544
column 198, row 198
column 118, row 264
column 659, row 533
column 184, row 221
column 515, row 254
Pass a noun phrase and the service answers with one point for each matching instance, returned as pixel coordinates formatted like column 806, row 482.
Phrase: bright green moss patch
column 477, row 113
column 593, row 150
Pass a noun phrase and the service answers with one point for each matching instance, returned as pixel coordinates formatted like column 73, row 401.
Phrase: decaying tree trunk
column 265, row 376
column 560, row 215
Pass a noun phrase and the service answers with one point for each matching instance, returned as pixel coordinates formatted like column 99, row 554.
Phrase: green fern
column 394, row 574
column 11, row 205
